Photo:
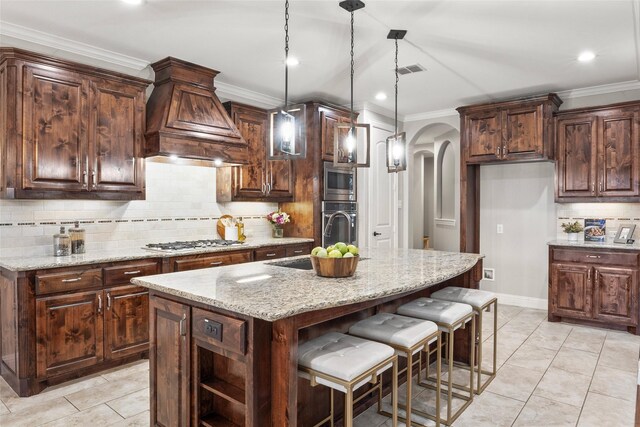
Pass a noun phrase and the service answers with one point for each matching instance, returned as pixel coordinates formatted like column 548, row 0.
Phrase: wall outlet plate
column 213, row 329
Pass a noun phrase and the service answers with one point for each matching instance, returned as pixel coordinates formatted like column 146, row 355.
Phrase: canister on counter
column 77, row 239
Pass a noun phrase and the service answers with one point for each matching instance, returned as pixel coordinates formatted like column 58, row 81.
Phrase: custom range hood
column 186, row 119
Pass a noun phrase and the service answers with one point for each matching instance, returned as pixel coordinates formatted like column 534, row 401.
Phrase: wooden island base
column 212, row 367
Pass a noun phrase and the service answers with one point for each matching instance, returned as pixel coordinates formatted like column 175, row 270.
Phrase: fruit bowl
column 334, row 267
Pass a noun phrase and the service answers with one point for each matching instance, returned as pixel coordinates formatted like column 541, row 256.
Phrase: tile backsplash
column 180, row 205
column 615, row 214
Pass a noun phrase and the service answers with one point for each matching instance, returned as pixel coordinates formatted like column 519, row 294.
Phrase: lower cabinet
column 593, row 287
column 126, row 321
column 169, row 362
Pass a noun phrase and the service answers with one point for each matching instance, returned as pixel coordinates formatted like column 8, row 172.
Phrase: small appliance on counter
column 61, row 243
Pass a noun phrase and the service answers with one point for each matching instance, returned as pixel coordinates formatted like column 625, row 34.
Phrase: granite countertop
column 596, row 245
column 272, row 292
column 94, row 257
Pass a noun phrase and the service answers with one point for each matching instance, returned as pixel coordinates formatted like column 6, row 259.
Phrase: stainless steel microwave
column 339, row 183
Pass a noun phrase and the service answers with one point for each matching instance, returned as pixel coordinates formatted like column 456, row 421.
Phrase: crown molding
column 375, row 109
column 431, row 115
column 38, row 37
column 600, row 90
column 237, row 93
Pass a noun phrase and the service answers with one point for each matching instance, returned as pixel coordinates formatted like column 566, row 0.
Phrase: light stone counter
column 271, row 292
column 95, row 257
column 596, row 245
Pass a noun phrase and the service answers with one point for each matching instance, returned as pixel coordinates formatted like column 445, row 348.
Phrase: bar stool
column 449, row 316
column 407, row 336
column 346, row 363
column 480, row 301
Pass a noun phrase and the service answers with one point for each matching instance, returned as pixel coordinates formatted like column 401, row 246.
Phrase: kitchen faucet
column 327, row 229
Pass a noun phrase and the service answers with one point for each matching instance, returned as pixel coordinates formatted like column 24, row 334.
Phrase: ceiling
column 474, row 51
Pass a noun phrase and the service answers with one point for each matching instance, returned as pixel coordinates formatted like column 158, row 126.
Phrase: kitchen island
column 224, row 341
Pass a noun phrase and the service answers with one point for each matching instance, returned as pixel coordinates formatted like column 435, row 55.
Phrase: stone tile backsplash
column 180, row 205
column 615, row 214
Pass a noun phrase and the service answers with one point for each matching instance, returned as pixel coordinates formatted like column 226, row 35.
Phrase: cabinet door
column 55, row 122
column 328, row 120
column 576, row 152
column 169, row 356
column 571, row 290
column 126, row 321
column 618, row 154
column 249, row 179
column 484, row 136
column 281, row 179
column 522, row 129
column 69, row 330
column 116, row 128
column 615, row 295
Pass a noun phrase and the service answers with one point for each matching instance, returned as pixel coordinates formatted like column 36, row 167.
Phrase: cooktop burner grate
column 191, row 244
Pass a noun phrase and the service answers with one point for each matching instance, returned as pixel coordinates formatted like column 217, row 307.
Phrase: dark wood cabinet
column 126, row 321
column 594, row 285
column 169, row 362
column 210, row 260
column 598, row 154
column 329, row 118
column 513, row 131
column 69, row 330
column 260, row 179
column 73, row 131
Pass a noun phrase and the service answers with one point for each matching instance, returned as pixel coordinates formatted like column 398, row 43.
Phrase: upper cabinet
column 69, row 130
column 513, row 131
column 598, row 154
column 329, row 118
column 260, row 179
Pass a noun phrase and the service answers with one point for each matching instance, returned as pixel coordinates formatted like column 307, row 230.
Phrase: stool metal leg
column 394, row 394
column 332, row 406
column 409, row 387
column 348, row 408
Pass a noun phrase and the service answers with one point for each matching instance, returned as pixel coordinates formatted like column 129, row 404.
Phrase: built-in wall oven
column 339, row 183
column 339, row 223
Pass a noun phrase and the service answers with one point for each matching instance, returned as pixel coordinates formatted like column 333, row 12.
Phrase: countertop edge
column 594, row 245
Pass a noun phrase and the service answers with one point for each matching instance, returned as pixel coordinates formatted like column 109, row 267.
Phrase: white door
column 382, row 193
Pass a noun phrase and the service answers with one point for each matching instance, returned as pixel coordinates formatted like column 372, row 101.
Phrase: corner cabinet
column 599, row 286
column 598, row 154
column 511, row 131
column 68, row 130
column 261, row 179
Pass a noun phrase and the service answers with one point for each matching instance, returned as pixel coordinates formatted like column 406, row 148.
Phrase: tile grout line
column 591, row 382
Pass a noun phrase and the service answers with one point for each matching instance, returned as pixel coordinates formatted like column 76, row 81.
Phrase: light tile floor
column 550, row 374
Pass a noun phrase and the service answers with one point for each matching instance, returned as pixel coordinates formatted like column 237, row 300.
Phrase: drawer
column 122, row 274
column 596, row 257
column 297, row 250
column 270, row 253
column 219, row 330
column 68, row 281
column 208, row 261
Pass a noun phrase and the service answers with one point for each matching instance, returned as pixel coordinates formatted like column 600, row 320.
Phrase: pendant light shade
column 396, row 143
column 287, row 133
column 351, row 140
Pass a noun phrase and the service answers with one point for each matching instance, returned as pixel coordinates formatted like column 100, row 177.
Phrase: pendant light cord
column 286, row 55
column 397, row 78
column 352, row 69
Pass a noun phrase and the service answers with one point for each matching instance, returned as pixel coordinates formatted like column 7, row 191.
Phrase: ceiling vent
column 410, row 69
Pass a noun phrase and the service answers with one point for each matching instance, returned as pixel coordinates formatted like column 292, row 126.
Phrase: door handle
column 182, row 325
column 94, row 184
column 108, row 300
column 84, row 179
column 601, row 186
column 99, row 304
column 375, row 233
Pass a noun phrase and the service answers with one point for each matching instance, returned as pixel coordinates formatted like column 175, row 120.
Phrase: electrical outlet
column 213, row 329
column 500, row 229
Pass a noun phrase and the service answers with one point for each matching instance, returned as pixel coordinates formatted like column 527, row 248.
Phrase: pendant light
column 287, row 135
column 396, row 143
column 350, row 138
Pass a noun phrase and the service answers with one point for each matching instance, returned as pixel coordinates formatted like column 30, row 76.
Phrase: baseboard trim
column 521, row 301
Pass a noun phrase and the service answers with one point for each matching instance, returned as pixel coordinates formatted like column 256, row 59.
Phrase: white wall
column 521, row 198
column 446, row 233
column 429, row 199
column 180, row 205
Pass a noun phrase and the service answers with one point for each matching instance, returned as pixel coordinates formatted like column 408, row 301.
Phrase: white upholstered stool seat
column 393, row 329
column 437, row 311
column 474, row 297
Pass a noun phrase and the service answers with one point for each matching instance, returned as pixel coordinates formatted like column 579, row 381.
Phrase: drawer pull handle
column 131, row 272
column 593, row 256
column 216, row 263
column 298, row 251
column 271, row 254
column 77, row 279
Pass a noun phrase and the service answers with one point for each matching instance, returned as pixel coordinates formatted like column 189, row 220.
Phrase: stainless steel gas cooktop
column 191, row 245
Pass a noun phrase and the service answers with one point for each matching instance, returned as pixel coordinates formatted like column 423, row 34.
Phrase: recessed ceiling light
column 381, row 96
column 586, row 56
column 292, row 62
column 135, row 2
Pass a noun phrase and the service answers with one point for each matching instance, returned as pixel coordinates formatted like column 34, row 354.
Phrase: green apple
column 317, row 249
column 341, row 247
column 322, row 253
column 335, row 254
column 347, row 255
column 353, row 249
column 330, row 248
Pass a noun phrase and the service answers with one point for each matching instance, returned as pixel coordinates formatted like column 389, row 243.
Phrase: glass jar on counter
column 61, row 243
column 77, row 235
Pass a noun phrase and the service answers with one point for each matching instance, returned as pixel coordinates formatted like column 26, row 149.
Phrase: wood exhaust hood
column 186, row 119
